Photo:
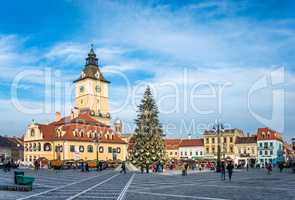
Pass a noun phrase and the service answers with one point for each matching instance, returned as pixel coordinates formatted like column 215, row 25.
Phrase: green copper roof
column 91, row 69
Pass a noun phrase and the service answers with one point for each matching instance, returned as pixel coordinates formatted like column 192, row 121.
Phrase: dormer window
column 268, row 134
column 75, row 132
column 58, row 133
column 82, row 133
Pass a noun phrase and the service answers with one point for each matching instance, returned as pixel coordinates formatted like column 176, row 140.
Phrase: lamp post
column 218, row 127
column 97, row 147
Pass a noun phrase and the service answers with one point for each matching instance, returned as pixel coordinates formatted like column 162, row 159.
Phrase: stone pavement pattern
column 71, row 184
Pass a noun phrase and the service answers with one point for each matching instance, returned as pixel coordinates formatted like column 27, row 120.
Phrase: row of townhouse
column 184, row 148
column 263, row 147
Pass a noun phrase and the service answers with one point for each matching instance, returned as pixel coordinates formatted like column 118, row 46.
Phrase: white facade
column 191, row 152
column 269, row 151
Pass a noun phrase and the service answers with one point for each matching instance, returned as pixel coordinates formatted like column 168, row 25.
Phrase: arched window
column 81, row 133
column 34, row 147
column 81, row 149
column 47, row 147
column 32, row 133
column 39, row 146
column 118, row 150
column 30, row 147
column 75, row 132
column 108, row 137
column 90, row 148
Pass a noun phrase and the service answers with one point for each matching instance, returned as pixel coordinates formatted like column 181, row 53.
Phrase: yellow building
column 86, row 133
column 172, row 148
column 226, row 140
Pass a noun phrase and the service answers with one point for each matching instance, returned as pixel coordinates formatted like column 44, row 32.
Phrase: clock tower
column 92, row 90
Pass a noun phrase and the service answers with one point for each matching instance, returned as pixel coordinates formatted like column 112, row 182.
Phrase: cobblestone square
column 110, row 184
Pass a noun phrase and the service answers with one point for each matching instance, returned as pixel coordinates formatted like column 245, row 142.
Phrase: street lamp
column 218, row 127
column 97, row 147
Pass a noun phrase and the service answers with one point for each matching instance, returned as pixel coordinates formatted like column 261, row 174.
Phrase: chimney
column 57, row 116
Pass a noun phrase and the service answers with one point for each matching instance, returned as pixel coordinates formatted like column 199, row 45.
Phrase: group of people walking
column 8, row 164
column 229, row 167
column 184, row 169
column 85, row 166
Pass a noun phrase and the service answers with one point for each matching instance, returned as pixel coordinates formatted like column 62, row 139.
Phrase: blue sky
column 163, row 43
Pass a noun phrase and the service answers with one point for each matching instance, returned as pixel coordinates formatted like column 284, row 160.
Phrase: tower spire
column 91, row 59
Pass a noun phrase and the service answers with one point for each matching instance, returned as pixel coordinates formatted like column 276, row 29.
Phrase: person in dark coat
column 141, row 168
column 269, row 168
column 97, row 166
column 222, row 171
column 186, row 168
column 147, row 168
column 86, row 167
column 123, row 168
column 82, row 167
column 281, row 166
column 100, row 166
column 230, row 168
column 36, row 165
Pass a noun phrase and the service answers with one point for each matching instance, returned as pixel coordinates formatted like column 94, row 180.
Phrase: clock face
column 97, row 88
column 82, row 88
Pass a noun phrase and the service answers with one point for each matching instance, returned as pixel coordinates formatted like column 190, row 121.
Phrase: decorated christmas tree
column 148, row 142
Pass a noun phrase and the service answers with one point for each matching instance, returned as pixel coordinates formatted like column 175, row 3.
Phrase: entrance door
column 114, row 154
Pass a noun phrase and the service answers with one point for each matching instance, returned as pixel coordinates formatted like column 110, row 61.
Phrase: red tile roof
column 176, row 143
column 246, row 140
column 268, row 134
column 83, row 118
column 191, row 142
column 11, row 142
column 83, row 124
column 172, row 144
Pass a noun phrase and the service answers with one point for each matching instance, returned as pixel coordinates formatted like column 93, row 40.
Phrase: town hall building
column 84, row 134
